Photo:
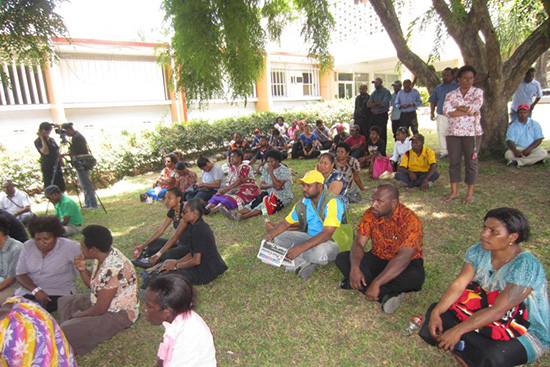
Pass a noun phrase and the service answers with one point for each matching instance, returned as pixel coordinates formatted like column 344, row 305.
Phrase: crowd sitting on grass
column 510, row 326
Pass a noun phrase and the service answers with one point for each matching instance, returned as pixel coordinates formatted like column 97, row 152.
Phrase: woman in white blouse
column 402, row 146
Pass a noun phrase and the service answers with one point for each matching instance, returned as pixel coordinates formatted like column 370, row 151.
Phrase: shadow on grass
column 262, row 316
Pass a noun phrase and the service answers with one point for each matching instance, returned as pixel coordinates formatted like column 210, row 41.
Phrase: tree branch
column 464, row 33
column 524, row 56
column 492, row 44
column 390, row 21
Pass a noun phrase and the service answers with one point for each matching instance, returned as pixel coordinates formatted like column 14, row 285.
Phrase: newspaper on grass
column 273, row 254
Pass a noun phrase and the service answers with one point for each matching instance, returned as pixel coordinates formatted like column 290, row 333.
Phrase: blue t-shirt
column 308, row 142
column 439, row 94
column 525, row 270
column 524, row 135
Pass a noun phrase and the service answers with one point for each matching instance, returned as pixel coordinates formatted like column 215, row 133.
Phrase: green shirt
column 67, row 207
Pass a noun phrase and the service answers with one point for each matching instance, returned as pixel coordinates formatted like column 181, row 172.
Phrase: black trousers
column 177, row 251
column 364, row 123
column 51, row 178
column 409, row 120
column 50, row 306
column 381, row 120
column 479, row 351
column 395, row 124
column 411, row 279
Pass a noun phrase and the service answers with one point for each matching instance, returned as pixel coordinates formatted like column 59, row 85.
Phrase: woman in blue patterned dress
column 497, row 266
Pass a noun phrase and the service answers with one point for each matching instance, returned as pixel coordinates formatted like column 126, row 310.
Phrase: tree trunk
column 494, row 120
column 541, row 69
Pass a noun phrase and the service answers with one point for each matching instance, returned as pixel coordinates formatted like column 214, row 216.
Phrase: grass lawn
column 261, row 316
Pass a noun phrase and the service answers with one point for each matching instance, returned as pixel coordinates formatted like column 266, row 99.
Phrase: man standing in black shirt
column 362, row 114
column 49, row 152
column 79, row 152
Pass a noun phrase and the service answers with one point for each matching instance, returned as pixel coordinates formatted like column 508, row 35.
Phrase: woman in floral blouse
column 240, row 187
column 464, row 131
column 112, row 306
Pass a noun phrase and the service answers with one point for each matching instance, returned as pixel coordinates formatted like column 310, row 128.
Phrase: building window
column 24, row 85
column 294, row 82
column 278, row 83
column 388, row 79
column 89, row 78
column 348, row 83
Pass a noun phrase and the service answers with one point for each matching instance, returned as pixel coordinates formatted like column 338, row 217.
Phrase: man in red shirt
column 394, row 265
column 357, row 142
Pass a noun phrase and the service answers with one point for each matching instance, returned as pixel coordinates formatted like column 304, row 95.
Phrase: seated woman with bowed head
column 202, row 262
column 187, row 340
column 240, row 188
column 156, row 248
column 496, row 312
column 45, row 269
column 112, row 304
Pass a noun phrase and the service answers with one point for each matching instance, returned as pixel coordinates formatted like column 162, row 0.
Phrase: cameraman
column 79, row 155
column 51, row 161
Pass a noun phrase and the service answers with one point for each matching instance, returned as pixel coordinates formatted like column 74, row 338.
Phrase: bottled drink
column 459, row 347
column 414, row 325
column 137, row 251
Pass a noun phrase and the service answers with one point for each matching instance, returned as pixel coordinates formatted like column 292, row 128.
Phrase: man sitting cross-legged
column 318, row 215
column 417, row 168
column 523, row 139
column 394, row 264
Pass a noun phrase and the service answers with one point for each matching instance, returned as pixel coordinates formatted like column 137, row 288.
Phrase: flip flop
column 226, row 213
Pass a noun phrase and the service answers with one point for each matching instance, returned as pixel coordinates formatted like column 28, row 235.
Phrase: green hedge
column 136, row 153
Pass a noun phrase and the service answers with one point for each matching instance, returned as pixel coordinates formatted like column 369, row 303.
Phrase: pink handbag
column 381, row 165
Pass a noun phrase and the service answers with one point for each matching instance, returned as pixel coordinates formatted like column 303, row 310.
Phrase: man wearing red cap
column 523, row 139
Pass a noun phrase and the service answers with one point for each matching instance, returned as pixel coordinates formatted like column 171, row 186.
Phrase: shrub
column 136, row 153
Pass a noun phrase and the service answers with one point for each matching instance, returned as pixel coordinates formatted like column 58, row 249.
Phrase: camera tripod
column 68, row 171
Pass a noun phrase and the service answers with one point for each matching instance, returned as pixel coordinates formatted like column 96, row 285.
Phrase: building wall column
column 263, row 89
column 52, row 79
column 174, row 103
column 326, row 83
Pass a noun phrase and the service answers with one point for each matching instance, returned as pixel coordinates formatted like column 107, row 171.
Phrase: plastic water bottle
column 414, row 325
column 265, row 214
column 136, row 252
column 459, row 347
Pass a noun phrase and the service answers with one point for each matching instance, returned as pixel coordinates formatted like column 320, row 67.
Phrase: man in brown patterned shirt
column 394, row 265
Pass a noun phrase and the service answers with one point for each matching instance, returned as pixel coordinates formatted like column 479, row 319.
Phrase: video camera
column 59, row 130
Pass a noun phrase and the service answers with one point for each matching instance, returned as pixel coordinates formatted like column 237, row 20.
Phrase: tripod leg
column 100, row 202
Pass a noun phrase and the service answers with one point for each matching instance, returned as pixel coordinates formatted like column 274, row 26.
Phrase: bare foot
column 469, row 200
column 450, row 197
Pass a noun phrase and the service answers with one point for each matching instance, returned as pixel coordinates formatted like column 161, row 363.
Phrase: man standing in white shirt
column 528, row 92
column 16, row 202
